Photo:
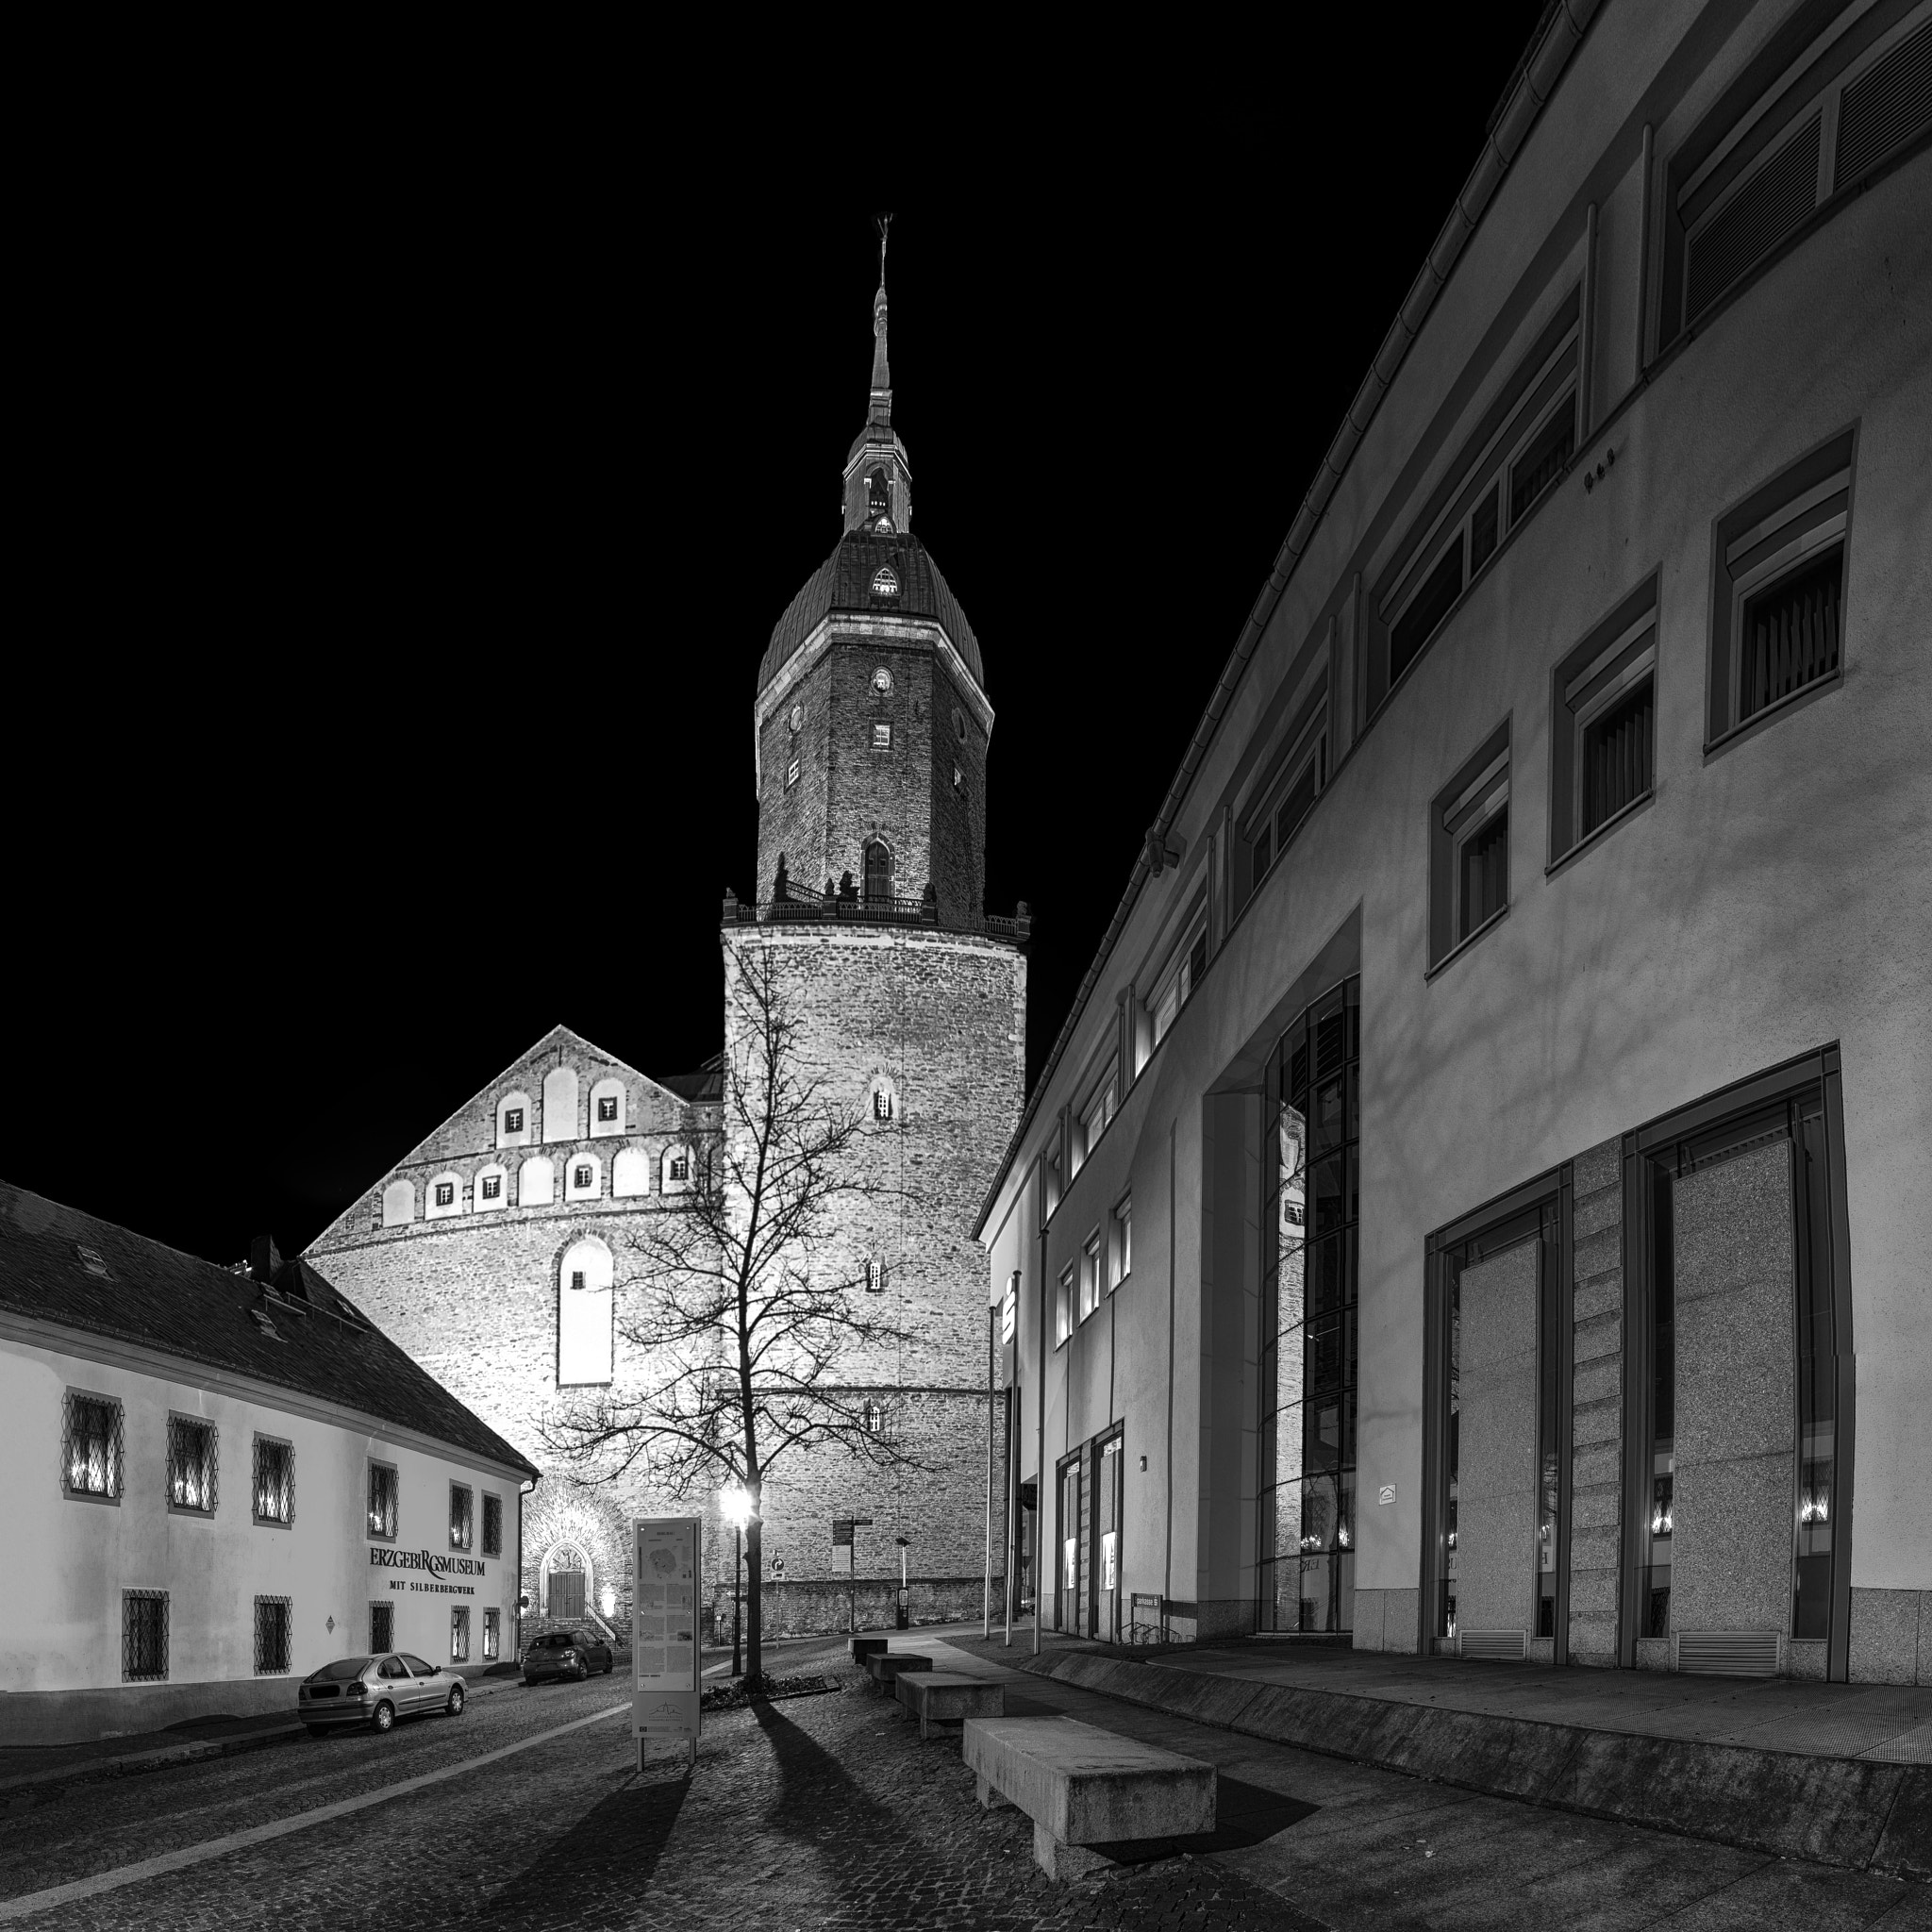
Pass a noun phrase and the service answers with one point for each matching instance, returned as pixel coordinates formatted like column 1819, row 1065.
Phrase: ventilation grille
column 1728, row 1653
column 1497, row 1647
column 1883, row 109
column 1769, row 206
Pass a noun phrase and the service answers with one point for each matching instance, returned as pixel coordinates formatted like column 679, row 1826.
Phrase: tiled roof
column 61, row 1266
column 843, row 582
column 707, row 1084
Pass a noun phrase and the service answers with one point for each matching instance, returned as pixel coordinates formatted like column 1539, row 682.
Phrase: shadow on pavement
column 602, row 1861
column 1244, row 1815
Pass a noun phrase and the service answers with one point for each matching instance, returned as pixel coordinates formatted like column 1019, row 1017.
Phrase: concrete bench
column 863, row 1647
column 883, row 1666
column 941, row 1697
column 1082, row 1785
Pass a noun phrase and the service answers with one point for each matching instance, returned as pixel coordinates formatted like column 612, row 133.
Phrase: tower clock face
column 882, row 681
column 798, row 717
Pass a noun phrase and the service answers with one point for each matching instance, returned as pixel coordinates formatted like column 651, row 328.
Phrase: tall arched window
column 561, row 1103
column 879, row 871
column 535, row 1182
column 583, row 1178
column 566, row 1582
column 583, row 1314
column 677, row 1172
column 492, row 1187
column 399, row 1203
column 606, row 1109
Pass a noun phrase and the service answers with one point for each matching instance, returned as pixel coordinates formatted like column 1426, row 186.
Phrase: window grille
column 1790, row 635
column 143, row 1636
column 881, row 1104
column 192, row 1467
column 382, row 1626
column 461, row 1515
column 492, row 1526
column 90, row 1457
column 460, row 1634
column 384, row 1485
column 492, row 1634
column 274, row 1481
column 274, row 1620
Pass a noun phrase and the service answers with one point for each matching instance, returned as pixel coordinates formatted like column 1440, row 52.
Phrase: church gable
column 564, row 1091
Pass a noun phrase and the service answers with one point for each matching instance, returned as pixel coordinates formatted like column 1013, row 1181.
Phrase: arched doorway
column 878, row 871
column 566, row 1582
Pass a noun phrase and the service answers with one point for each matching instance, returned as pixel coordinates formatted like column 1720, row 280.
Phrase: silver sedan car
column 377, row 1691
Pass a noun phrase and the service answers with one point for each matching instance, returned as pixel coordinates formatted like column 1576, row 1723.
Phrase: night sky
column 415, row 513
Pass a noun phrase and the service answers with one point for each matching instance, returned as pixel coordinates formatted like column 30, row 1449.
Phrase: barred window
column 274, row 1481
column 143, row 1636
column 274, row 1618
column 190, row 1464
column 382, row 1619
column 460, row 1634
column 461, row 1516
column 384, row 1487
column 91, row 1456
column 492, row 1625
column 493, row 1527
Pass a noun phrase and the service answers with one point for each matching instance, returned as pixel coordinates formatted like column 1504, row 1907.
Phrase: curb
column 83, row 1771
column 1851, row 1812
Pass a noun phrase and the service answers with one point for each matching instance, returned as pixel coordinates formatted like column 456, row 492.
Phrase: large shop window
column 1738, row 1411
column 1496, row 1426
column 1308, row 1477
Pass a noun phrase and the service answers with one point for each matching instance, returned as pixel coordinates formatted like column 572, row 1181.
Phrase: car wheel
column 529, row 1683
column 609, row 1664
column 455, row 1705
column 583, row 1674
column 383, row 1716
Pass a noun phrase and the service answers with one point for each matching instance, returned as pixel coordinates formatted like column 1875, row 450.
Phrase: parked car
column 377, row 1691
column 565, row 1654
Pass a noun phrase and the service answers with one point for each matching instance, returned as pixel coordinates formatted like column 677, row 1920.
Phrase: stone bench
column 883, row 1666
column 1082, row 1785
column 863, row 1647
column 940, row 1698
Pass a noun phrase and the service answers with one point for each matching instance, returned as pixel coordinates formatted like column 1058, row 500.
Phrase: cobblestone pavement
column 828, row 1812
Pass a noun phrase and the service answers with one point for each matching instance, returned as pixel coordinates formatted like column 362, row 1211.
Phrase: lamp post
column 734, row 1505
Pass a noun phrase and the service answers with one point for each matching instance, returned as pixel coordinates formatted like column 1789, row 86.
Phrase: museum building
column 1477, row 1203
column 235, row 1479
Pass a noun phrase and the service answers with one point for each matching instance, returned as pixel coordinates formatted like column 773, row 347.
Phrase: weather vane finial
column 883, row 223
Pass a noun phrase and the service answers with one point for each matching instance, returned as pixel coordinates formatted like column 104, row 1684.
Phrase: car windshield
column 341, row 1671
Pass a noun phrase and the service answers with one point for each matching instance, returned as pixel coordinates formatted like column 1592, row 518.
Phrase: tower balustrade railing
column 856, row 908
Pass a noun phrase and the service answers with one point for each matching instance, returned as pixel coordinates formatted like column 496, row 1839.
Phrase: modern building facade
column 237, row 1478
column 1476, row 1202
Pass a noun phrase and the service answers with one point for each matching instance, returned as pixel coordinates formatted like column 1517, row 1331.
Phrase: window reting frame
column 492, row 1524
column 1267, row 819
column 275, row 1635
column 1063, row 1307
column 462, row 1517
column 202, row 1473
column 264, row 1461
column 143, row 1636
column 1616, row 656
column 103, row 1420
column 1784, row 526
column 1460, row 812
column 1120, row 1258
column 1186, row 964
column 385, row 1500
column 1091, row 1263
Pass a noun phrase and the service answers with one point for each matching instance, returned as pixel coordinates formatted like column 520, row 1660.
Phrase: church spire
column 879, row 478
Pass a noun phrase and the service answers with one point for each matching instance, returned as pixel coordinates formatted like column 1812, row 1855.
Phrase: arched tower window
column 878, row 870
column 606, row 1109
column 561, row 1103
column 583, row 1314
column 399, row 1203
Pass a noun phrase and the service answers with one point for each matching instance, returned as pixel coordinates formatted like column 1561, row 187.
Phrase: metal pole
column 737, row 1663
column 992, row 1315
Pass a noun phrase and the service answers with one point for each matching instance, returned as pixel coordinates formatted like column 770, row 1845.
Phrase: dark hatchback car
column 565, row 1654
column 377, row 1691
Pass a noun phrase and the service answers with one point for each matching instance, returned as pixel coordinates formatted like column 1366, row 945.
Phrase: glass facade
column 1307, row 1486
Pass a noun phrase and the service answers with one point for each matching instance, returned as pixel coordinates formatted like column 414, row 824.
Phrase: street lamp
column 734, row 1505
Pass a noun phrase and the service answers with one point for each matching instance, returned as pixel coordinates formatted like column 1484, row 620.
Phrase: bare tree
column 742, row 1309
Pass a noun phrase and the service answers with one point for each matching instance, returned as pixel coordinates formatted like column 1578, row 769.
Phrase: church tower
column 872, row 727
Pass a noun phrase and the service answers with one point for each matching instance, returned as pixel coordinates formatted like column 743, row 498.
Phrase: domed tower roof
column 853, row 579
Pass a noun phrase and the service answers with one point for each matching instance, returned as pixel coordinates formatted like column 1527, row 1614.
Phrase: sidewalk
column 22, row 1766
column 1835, row 1773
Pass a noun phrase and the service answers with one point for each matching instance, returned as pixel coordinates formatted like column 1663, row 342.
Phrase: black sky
column 412, row 515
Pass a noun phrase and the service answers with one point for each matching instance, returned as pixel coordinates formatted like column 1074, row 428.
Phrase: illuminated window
column 91, row 1461
column 190, row 1464
column 445, row 1193
column 1123, row 1243
column 492, row 1187
column 491, row 1638
column 1089, row 1275
column 492, row 1526
column 385, row 1486
column 875, row 1278
column 882, row 738
column 460, row 1634
column 462, row 1502
column 274, row 1481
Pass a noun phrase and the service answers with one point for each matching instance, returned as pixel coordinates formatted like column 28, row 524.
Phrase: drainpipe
column 524, row 1490
column 1040, row 1454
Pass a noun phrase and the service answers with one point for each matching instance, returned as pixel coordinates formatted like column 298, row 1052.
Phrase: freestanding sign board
column 664, row 1634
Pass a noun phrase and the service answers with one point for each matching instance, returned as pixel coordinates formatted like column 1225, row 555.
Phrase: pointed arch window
column 879, row 871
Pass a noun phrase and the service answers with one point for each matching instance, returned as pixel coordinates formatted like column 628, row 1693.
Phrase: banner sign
column 664, row 1630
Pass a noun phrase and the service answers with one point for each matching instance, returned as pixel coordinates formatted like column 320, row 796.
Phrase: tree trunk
column 753, row 1610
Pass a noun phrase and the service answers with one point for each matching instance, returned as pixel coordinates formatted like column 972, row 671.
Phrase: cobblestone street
column 827, row 1811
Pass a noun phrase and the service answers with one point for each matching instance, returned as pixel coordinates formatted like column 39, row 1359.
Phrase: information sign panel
column 664, row 1633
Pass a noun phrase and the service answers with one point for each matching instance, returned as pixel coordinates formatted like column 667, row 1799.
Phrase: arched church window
column 399, row 1203
column 606, row 1109
column 566, row 1582
column 879, row 871
column 583, row 1315
column 561, row 1103
column 885, row 581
